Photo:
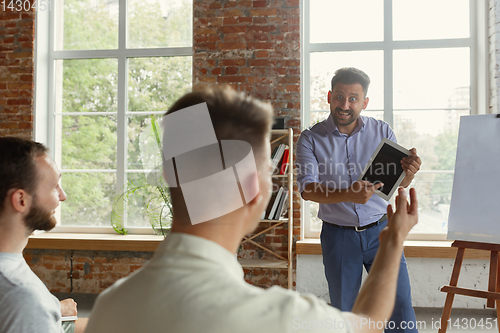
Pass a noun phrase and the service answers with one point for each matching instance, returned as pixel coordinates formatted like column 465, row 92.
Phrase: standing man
column 29, row 195
column 330, row 157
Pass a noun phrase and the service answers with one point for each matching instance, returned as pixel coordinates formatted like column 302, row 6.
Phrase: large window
column 104, row 68
column 427, row 64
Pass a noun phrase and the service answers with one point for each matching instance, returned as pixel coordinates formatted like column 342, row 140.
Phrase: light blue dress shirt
column 326, row 156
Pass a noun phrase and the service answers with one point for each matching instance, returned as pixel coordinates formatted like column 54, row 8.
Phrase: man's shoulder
column 377, row 127
column 10, row 292
column 306, row 309
column 16, row 279
column 23, row 287
column 22, row 278
column 373, row 122
column 317, row 128
column 28, row 300
column 313, row 132
column 24, row 308
column 33, row 292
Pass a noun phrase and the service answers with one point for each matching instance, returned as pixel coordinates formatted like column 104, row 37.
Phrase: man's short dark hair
column 351, row 75
column 17, row 165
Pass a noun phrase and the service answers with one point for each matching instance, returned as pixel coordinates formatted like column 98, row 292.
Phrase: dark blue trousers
column 345, row 252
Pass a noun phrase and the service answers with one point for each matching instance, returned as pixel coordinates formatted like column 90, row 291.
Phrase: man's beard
column 343, row 122
column 39, row 219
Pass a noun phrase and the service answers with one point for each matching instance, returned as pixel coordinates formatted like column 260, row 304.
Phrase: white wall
column 427, row 276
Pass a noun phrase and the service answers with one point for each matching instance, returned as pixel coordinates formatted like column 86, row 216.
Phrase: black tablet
column 385, row 167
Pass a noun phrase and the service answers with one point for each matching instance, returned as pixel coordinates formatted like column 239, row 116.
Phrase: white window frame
column 479, row 75
column 45, row 95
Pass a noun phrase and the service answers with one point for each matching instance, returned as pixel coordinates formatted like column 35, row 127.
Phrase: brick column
column 253, row 46
column 16, row 72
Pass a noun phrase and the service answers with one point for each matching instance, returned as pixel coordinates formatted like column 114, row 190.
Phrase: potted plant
column 152, row 190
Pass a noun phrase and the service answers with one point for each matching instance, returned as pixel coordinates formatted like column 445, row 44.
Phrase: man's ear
column 252, row 184
column 329, row 96
column 365, row 103
column 20, row 200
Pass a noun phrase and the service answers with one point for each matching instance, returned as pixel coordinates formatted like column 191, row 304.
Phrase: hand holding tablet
column 385, row 167
column 361, row 191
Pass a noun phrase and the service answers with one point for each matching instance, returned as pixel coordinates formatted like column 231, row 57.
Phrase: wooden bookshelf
column 263, row 263
column 278, row 261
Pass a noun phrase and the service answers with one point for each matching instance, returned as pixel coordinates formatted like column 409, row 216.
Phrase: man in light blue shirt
column 330, row 157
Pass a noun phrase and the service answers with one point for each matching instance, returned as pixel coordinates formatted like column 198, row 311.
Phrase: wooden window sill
column 413, row 249
column 94, row 242
column 149, row 243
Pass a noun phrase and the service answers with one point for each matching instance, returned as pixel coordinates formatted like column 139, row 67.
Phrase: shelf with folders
column 279, row 213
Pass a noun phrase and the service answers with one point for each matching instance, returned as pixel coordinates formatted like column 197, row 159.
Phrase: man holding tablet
column 330, row 158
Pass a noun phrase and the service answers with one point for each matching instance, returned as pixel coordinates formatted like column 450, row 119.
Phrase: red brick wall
column 16, row 72
column 83, row 271
column 250, row 45
column 254, row 46
column 67, row 271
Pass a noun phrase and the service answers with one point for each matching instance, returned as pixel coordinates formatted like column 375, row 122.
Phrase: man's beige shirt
column 195, row 285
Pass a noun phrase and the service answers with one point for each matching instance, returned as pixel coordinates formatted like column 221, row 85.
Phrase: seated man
column 194, row 282
column 29, row 194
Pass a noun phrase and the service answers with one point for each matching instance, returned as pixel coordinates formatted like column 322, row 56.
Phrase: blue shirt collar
column 330, row 126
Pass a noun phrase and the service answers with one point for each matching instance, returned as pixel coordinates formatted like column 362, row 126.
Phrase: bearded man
column 29, row 194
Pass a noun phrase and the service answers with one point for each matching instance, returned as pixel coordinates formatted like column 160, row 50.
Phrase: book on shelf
column 286, row 206
column 276, row 202
column 285, row 161
column 275, row 150
column 265, row 213
column 286, row 168
column 277, row 157
column 281, row 205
